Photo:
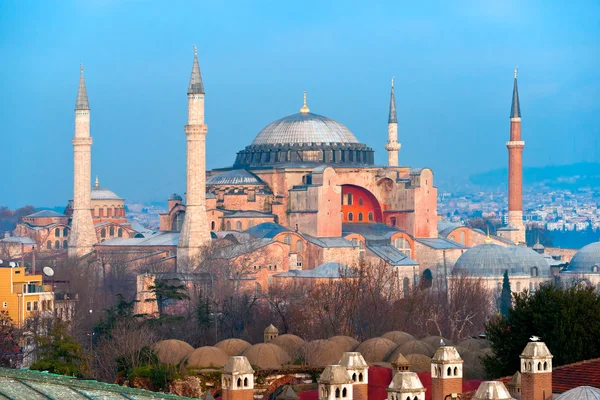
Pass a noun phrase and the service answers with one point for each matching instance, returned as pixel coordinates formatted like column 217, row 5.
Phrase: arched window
column 393, row 221
column 96, row 211
column 354, row 377
column 239, row 382
column 228, row 225
column 120, row 232
column 539, row 366
column 349, row 199
column 455, row 371
column 462, row 237
column 545, row 366
column 299, row 246
column 111, row 231
column 57, row 244
column 337, row 393
column 350, row 217
column 238, row 225
column 344, row 391
column 65, row 232
column 245, row 382
column 178, row 221
column 360, row 216
column 449, row 371
column 287, row 239
column 212, row 225
column 49, row 245
column 360, row 377
column 370, row 215
column 360, row 201
column 65, row 244
column 534, row 271
column 299, row 261
column 403, row 245
column 499, row 286
column 57, row 232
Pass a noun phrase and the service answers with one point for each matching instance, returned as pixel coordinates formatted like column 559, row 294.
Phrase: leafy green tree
column 121, row 311
column 9, row 342
column 165, row 290
column 567, row 320
column 506, row 296
column 60, row 353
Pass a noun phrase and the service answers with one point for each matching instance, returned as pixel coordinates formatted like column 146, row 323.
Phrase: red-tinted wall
column 363, row 202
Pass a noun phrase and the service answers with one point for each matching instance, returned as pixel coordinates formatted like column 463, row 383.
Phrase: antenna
column 48, row 271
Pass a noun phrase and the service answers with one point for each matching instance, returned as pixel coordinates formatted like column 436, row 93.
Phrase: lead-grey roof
column 99, row 193
column 304, row 128
column 585, row 259
column 581, row 393
column 28, row 385
column 527, row 259
column 196, row 86
column 375, row 232
column 488, row 260
column 391, row 255
column 81, row 103
column 18, row 239
column 327, row 270
column 327, row 243
column 267, row 230
column 161, row 238
column 234, row 177
column 440, row 243
column 45, row 213
column 515, row 109
column 392, row 117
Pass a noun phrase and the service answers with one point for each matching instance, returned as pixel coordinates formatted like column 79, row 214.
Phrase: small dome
column 292, row 344
column 538, row 246
column 581, row 392
column 175, row 196
column 320, row 353
column 347, row 343
column 435, row 341
column 207, row 356
column 376, row 349
column 398, row 337
column 234, row 177
column 172, row 351
column 586, row 260
column 487, row 260
column 527, row 258
column 266, row 356
column 233, row 347
column 99, row 193
column 417, row 347
column 419, row 363
column 396, row 357
column 304, row 128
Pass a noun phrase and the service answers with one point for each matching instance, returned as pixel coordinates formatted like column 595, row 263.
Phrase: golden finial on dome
column 304, row 109
column 488, row 239
column 97, row 184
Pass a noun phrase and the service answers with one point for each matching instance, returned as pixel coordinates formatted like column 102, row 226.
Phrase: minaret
column 195, row 232
column 536, row 371
column 270, row 333
column 446, row 373
column 392, row 147
column 515, row 168
column 83, row 235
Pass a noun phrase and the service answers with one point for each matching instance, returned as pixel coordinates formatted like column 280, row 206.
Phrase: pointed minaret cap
column 446, row 354
column 271, row 329
column 304, row 109
column 196, row 86
column 515, row 110
column 82, row 98
column 392, row 119
column 287, row 393
column 492, row 390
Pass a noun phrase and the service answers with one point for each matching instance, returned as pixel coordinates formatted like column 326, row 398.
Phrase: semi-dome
column 304, row 128
column 586, row 260
column 487, row 260
column 304, row 139
column 100, row 193
column 234, row 177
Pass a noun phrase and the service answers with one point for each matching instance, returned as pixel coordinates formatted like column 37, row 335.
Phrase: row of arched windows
column 360, row 377
column 239, row 382
column 360, row 216
column 57, row 244
column 58, row 231
column 540, row 366
column 271, row 267
column 344, row 392
column 228, row 225
column 393, row 396
column 111, row 232
column 109, row 211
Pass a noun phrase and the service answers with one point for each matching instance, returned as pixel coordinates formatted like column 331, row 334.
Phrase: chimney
column 406, row 385
column 400, row 364
column 446, row 373
column 492, row 390
column 358, row 369
column 271, row 333
column 536, row 371
column 335, row 384
column 237, row 379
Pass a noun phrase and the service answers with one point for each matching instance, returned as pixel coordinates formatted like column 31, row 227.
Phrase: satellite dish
column 12, row 264
column 48, row 271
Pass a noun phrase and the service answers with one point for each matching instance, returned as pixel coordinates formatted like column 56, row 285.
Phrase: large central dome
column 304, row 128
column 304, row 140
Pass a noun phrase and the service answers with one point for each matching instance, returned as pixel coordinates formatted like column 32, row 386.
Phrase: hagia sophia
column 304, row 200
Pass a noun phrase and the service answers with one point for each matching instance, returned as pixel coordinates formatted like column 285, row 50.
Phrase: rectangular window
column 35, row 306
column 28, row 306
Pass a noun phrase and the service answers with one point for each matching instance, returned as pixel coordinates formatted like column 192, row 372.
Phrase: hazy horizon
column 453, row 66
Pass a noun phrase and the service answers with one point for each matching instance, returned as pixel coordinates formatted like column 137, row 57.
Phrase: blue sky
column 453, row 63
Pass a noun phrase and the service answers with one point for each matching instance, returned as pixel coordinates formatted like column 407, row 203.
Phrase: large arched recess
column 358, row 201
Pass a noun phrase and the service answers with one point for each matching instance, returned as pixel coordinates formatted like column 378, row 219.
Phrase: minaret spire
column 515, row 109
column 392, row 147
column 82, row 98
column 392, row 118
column 196, row 86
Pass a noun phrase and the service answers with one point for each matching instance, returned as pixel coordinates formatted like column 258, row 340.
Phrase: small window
column 360, row 377
column 28, row 306
column 299, row 261
column 65, row 244
column 393, row 221
column 595, row 268
column 57, row 244
column 455, row 371
column 349, row 199
column 212, row 226
column 238, row 225
column 49, row 245
column 449, row 371
column 354, row 377
column 35, row 306
column 57, row 232
column 360, row 201
column 350, row 217
column 5, row 304
column 344, row 392
column 337, row 393
column 120, row 232
column 65, row 232
column 103, row 233
column 299, row 246
column 534, row 271
column 239, row 382
column 360, row 217
column 111, row 231
column 228, row 225
column 370, row 215
column 518, row 286
column 287, row 239
column 245, row 382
